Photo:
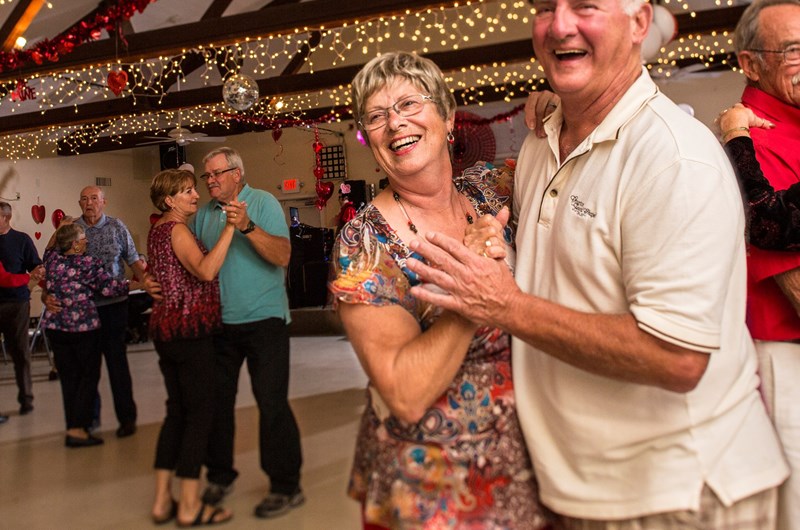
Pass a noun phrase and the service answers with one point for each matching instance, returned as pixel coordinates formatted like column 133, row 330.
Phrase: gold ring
column 484, row 254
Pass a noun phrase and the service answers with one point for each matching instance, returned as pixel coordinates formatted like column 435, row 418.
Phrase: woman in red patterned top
column 182, row 326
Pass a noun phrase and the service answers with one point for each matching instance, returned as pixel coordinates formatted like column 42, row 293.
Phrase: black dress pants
column 77, row 358
column 114, row 323
column 265, row 346
column 188, row 369
column 14, row 323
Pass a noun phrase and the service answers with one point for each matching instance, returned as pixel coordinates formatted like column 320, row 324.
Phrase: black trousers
column 265, row 347
column 14, row 322
column 188, row 369
column 113, row 324
column 77, row 359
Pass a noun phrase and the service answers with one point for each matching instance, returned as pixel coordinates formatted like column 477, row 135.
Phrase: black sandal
column 212, row 519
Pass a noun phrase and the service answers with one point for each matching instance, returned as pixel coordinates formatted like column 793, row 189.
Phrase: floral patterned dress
column 464, row 464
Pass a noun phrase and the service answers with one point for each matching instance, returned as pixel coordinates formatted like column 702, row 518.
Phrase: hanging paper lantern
column 240, row 92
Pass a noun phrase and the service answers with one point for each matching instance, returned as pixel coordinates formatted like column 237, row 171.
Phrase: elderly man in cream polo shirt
column 634, row 372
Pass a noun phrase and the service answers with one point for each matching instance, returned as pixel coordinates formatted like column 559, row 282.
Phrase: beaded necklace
column 411, row 225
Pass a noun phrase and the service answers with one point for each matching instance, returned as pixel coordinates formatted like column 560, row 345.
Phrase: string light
column 429, row 30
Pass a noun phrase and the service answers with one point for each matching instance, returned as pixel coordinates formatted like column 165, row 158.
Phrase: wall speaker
column 172, row 155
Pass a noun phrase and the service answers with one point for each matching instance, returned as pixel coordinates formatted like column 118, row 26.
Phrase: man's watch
column 250, row 227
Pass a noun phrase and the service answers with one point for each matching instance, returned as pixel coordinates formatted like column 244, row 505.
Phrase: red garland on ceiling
column 88, row 29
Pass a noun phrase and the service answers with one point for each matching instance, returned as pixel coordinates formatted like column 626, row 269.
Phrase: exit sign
column 290, row 186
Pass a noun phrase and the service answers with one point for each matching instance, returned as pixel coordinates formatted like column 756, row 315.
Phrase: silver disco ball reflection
column 240, row 92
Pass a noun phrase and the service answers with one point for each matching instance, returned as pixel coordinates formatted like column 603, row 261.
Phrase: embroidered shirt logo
column 579, row 208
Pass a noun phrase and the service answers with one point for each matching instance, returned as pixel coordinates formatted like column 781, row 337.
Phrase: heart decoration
column 276, row 134
column 38, row 212
column 154, row 217
column 320, row 204
column 117, row 81
column 38, row 235
column 317, row 147
column 324, row 190
column 319, row 171
column 57, row 216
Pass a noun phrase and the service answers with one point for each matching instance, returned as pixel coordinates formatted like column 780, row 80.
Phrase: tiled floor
column 44, row 485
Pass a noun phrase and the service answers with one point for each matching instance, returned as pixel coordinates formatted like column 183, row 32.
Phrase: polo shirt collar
column 634, row 99
column 243, row 196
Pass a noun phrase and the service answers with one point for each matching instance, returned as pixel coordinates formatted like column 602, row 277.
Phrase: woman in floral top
column 75, row 278
column 182, row 325
column 439, row 445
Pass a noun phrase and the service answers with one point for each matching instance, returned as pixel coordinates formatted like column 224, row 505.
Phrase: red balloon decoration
column 324, row 189
column 57, row 216
column 117, row 81
column 38, row 213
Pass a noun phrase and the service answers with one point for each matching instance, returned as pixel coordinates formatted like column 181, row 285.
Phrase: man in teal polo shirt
column 255, row 313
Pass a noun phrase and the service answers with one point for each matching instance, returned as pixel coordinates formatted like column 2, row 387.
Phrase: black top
column 773, row 216
column 18, row 254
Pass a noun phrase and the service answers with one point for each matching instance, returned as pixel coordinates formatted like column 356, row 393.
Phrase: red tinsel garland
column 88, row 29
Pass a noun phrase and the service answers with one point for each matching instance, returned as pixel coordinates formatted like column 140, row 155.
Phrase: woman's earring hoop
column 450, row 138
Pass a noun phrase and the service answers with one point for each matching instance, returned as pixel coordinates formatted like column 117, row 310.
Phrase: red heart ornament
column 37, row 235
column 117, row 81
column 324, row 190
column 317, row 146
column 154, row 217
column 320, row 204
column 37, row 212
column 57, row 216
column 319, row 171
column 276, row 134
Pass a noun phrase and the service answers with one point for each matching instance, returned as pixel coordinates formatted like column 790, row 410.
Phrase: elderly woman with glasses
column 439, row 444
column 75, row 278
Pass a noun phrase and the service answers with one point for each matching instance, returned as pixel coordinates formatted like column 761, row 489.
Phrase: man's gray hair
column 232, row 157
column 746, row 36
column 5, row 208
column 630, row 6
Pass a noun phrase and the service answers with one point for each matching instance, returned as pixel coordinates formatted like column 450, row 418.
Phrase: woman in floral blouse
column 75, row 278
column 439, row 445
column 182, row 325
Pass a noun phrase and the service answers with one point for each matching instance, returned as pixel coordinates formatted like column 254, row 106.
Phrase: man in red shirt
column 767, row 40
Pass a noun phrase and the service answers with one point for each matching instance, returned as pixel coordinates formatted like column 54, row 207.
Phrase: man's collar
column 99, row 222
column 241, row 196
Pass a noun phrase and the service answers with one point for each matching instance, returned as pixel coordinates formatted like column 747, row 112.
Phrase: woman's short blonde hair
column 66, row 235
column 168, row 183
column 419, row 71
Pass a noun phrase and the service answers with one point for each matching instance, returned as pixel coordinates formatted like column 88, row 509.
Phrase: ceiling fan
column 182, row 136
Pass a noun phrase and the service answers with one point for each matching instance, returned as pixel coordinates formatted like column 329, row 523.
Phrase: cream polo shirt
column 644, row 217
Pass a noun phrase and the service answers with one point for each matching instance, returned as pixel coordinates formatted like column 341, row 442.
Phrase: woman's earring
column 450, row 138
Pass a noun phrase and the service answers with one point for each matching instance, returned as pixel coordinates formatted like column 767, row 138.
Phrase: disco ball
column 240, row 92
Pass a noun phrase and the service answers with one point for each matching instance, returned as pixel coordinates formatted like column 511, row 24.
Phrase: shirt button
column 554, row 193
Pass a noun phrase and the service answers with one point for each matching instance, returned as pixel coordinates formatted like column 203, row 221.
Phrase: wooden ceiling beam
column 273, row 86
column 280, row 19
column 18, row 22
